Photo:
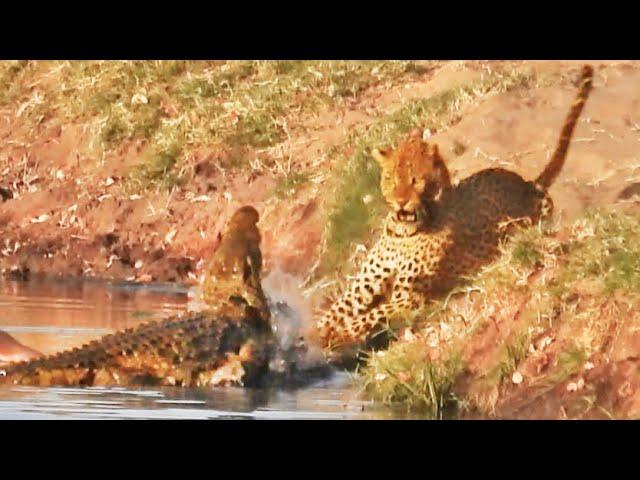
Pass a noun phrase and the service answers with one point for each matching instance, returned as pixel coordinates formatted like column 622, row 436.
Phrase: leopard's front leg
column 382, row 290
column 404, row 299
column 372, row 286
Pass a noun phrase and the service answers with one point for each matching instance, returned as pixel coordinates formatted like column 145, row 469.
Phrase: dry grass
column 218, row 104
column 406, row 374
column 529, row 320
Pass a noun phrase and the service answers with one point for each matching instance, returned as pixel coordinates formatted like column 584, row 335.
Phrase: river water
column 52, row 315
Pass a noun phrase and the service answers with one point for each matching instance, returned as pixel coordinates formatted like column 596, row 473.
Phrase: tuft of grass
column 525, row 253
column 157, row 170
column 568, row 363
column 193, row 90
column 289, row 184
column 257, row 129
column 513, row 352
column 358, row 210
column 605, row 247
column 9, row 73
column 406, row 375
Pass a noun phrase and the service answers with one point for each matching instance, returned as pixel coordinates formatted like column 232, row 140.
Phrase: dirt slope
column 72, row 217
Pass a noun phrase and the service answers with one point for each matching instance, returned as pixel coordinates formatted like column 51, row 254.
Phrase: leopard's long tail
column 551, row 171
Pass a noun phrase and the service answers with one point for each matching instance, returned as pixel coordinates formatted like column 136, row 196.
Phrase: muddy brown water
column 51, row 315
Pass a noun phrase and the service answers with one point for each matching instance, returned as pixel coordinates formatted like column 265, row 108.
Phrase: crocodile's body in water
column 229, row 343
column 198, row 349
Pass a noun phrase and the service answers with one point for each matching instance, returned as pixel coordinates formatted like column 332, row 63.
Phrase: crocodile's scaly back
column 183, row 351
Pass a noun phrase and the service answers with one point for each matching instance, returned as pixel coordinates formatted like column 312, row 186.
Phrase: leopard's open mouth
column 405, row 216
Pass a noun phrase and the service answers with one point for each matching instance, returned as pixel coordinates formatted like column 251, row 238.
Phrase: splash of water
column 291, row 321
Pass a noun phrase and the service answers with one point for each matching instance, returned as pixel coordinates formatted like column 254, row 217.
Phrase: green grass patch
column 569, row 362
column 9, row 73
column 405, row 375
column 158, row 170
column 513, row 352
column 259, row 130
column 289, row 184
column 525, row 253
column 605, row 247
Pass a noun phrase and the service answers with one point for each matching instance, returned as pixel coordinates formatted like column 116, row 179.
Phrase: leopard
column 437, row 232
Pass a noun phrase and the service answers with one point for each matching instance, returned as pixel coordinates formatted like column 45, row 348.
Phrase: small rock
column 516, row 378
column 169, row 236
column 139, row 99
column 138, row 264
column 575, row 386
column 110, row 261
column 545, row 342
column 42, row 218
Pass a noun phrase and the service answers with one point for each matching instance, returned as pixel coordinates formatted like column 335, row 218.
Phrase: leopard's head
column 412, row 174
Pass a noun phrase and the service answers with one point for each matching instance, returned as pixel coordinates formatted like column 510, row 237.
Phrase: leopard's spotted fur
column 435, row 235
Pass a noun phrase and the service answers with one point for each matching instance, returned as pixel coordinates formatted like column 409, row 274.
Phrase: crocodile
column 228, row 343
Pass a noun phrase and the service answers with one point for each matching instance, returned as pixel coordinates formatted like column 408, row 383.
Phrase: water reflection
column 53, row 315
column 335, row 399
